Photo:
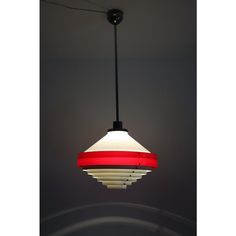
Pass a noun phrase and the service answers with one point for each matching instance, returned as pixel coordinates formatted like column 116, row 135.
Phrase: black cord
column 117, row 124
column 116, row 74
column 72, row 8
column 95, row 4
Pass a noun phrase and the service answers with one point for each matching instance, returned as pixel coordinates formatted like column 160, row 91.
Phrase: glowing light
column 103, row 160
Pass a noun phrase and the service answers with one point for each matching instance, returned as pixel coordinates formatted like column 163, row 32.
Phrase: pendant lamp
column 117, row 160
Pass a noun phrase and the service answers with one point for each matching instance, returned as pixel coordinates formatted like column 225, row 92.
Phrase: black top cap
column 115, row 16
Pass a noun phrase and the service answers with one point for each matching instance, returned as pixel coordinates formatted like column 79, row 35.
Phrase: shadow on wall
column 116, row 218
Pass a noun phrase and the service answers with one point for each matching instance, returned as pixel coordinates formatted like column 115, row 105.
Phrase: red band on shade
column 119, row 158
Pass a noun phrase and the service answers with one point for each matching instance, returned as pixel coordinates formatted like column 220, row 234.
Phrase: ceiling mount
column 115, row 16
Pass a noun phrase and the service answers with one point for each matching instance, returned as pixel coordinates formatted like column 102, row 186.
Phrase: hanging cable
column 116, row 74
column 115, row 16
column 72, row 8
column 95, row 4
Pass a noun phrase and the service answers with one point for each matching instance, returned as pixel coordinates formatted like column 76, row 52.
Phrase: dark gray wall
column 157, row 97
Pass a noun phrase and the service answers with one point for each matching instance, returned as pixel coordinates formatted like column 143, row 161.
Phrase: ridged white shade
column 117, row 178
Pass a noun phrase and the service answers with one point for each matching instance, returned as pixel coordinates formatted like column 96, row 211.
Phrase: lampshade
column 117, row 160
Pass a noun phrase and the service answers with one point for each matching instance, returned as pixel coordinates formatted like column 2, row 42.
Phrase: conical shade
column 117, row 141
column 117, row 160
